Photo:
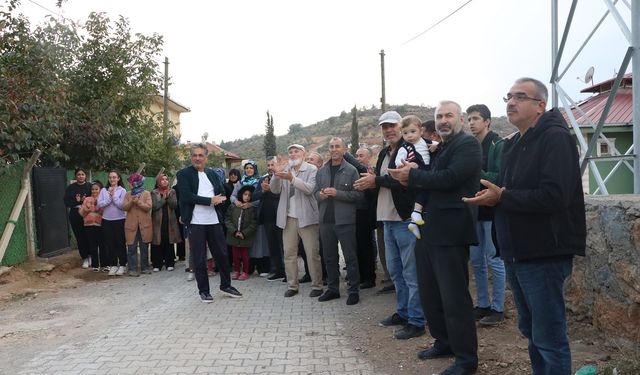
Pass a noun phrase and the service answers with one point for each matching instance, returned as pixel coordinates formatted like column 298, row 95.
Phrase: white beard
column 294, row 162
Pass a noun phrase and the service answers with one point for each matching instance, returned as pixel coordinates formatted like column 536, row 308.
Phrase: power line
column 48, row 10
column 436, row 24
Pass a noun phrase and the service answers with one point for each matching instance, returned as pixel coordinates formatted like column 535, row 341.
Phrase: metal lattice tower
column 629, row 158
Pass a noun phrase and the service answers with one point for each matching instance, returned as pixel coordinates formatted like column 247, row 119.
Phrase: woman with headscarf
column 73, row 197
column 259, row 251
column 137, row 226
column 229, row 186
column 113, row 216
column 165, row 225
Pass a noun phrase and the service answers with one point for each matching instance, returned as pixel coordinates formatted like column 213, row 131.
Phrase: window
column 603, row 147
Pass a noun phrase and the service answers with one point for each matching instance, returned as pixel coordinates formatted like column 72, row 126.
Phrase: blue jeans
column 401, row 262
column 538, row 294
column 482, row 255
column 132, row 254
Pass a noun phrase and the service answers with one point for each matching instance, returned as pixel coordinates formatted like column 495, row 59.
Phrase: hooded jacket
column 541, row 211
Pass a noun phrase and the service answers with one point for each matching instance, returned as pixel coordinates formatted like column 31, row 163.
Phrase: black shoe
column 275, row 277
column 367, row 284
column 393, row 320
column 353, row 299
column 290, row 293
column 386, row 289
column 305, row 279
column 494, row 318
column 481, row 312
column 409, row 331
column 206, row 297
column 316, row 292
column 328, row 296
column 459, row 370
column 434, row 352
column 284, row 280
column 231, row 292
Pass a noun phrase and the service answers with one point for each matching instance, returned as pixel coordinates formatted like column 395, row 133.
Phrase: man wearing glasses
column 540, row 221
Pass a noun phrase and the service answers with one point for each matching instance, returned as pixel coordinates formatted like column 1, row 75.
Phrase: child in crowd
column 415, row 150
column 241, row 230
column 92, row 217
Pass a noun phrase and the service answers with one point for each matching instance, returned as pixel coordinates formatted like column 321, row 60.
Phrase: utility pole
column 383, row 101
column 165, row 103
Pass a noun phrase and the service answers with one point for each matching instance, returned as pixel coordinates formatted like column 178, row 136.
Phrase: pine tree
column 355, row 140
column 269, row 137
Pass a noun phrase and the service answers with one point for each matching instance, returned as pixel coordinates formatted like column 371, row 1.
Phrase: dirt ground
column 502, row 350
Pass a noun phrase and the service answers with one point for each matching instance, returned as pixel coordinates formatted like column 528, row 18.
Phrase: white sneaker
column 190, row 276
column 156, row 269
column 120, row 271
column 113, row 270
column 264, row 274
column 85, row 262
column 169, row 268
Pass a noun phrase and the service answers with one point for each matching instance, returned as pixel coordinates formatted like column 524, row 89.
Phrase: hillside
column 315, row 137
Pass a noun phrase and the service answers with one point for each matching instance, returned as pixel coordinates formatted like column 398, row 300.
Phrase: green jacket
column 247, row 226
column 494, row 159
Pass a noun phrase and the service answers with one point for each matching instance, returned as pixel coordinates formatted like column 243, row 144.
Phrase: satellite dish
column 588, row 77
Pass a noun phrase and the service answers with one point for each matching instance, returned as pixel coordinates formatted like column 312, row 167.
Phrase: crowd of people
column 437, row 199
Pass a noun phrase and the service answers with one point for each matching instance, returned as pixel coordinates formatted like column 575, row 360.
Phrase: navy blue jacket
column 188, row 191
column 541, row 213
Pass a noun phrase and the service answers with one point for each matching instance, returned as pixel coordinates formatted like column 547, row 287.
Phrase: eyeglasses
column 519, row 97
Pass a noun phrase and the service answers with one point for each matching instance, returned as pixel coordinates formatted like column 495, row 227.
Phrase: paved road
column 156, row 324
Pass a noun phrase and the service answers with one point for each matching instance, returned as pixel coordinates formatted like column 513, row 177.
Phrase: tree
column 80, row 93
column 269, row 137
column 295, row 128
column 355, row 139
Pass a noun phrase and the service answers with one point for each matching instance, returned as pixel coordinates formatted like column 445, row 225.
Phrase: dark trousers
column 274, row 240
column 212, row 235
column 96, row 246
column 366, row 249
column 443, row 284
column 180, row 250
column 113, row 232
column 77, row 225
column 331, row 234
column 163, row 254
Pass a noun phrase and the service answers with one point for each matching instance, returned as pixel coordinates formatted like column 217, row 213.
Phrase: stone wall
column 605, row 285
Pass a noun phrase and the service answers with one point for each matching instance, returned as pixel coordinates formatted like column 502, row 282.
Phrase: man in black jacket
column 267, row 211
column 540, row 221
column 442, row 255
column 201, row 198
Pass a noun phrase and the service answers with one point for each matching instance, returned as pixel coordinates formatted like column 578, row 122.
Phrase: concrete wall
column 605, row 285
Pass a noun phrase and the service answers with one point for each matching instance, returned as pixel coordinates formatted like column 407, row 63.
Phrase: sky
column 304, row 61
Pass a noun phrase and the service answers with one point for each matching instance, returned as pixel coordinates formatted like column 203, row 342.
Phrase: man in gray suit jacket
column 337, row 203
column 298, row 217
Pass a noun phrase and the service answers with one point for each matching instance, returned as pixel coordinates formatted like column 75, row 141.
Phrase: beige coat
column 138, row 216
column 305, row 184
column 158, row 203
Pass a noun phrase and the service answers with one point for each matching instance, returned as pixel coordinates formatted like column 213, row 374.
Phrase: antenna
column 588, row 77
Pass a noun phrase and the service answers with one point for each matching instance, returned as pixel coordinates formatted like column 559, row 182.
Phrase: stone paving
column 261, row 333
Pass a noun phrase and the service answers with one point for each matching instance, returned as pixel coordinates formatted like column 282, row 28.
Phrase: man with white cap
column 394, row 207
column 298, row 217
